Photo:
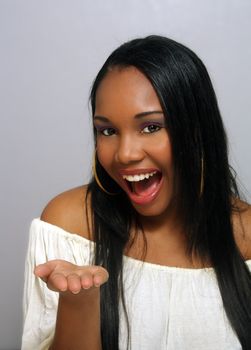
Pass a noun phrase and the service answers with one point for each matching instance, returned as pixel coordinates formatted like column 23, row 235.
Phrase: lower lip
column 144, row 200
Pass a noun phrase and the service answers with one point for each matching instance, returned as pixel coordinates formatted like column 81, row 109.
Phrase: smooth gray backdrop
column 50, row 53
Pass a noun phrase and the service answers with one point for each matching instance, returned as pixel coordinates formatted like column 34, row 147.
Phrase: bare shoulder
column 70, row 211
column 242, row 228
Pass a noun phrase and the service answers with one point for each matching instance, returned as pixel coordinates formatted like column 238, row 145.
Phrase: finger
column 87, row 280
column 100, row 277
column 57, row 282
column 74, row 283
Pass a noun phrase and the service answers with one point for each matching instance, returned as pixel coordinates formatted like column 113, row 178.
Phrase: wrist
column 84, row 297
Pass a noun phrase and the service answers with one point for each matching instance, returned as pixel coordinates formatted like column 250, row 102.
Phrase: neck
column 169, row 222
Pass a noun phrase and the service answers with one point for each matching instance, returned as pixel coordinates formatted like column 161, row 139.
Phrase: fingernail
column 75, row 291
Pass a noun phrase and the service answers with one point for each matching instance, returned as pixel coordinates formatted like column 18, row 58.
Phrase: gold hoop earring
column 202, row 177
column 96, row 176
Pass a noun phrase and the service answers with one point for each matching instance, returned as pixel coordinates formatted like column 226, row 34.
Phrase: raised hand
column 63, row 276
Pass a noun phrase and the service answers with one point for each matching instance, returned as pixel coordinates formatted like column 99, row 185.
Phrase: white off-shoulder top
column 169, row 308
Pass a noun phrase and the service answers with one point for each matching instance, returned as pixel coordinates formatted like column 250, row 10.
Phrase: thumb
column 44, row 270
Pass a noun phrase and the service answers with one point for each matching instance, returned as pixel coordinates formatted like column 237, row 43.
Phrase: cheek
column 162, row 152
column 104, row 154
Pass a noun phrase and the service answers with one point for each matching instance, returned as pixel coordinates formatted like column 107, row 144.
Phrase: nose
column 130, row 150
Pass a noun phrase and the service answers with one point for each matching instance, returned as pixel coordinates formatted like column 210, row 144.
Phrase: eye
column 107, row 131
column 150, row 128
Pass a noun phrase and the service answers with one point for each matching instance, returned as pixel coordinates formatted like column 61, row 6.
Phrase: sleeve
column 39, row 304
column 46, row 242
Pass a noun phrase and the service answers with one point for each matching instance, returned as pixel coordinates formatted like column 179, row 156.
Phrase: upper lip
column 137, row 171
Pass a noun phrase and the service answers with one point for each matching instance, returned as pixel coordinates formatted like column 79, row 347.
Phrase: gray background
column 50, row 53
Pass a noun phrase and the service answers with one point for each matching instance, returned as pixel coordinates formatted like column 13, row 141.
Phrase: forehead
column 126, row 87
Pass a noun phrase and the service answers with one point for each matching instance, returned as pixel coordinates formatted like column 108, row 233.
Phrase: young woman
column 155, row 252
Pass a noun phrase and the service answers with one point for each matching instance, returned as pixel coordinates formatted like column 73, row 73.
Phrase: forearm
column 78, row 321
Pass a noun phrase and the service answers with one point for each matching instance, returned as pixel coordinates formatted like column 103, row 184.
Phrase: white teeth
column 139, row 177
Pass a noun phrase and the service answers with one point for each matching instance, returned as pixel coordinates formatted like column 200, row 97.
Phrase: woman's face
column 133, row 145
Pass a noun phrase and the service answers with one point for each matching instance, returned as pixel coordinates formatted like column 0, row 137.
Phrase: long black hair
column 206, row 187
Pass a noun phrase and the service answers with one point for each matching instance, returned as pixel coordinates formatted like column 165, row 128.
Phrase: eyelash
column 157, row 126
column 102, row 131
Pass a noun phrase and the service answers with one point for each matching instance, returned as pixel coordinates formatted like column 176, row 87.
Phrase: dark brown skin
column 78, row 317
column 78, row 321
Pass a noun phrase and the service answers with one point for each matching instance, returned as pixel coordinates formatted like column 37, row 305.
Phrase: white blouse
column 169, row 308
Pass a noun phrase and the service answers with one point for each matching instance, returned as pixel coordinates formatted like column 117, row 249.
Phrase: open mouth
column 143, row 185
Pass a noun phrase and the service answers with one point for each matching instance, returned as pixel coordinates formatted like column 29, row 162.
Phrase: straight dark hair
column 205, row 189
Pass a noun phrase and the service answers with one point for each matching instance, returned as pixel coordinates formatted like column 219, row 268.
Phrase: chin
column 152, row 210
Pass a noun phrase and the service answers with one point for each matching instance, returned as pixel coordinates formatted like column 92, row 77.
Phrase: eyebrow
column 137, row 116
